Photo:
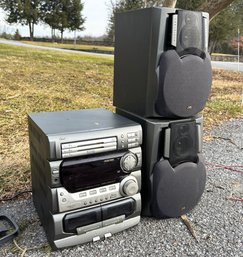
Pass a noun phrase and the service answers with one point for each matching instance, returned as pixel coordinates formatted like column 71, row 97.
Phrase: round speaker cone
column 190, row 37
column 184, row 130
column 182, row 145
column 190, row 18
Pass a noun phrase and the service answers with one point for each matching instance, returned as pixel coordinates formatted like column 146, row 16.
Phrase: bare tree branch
column 214, row 7
column 169, row 3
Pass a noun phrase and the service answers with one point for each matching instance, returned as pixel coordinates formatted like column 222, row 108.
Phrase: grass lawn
column 108, row 49
column 36, row 80
column 219, row 54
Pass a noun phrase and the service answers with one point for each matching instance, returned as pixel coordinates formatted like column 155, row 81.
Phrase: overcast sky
column 95, row 11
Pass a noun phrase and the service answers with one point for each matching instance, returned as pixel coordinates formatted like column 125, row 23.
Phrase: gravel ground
column 218, row 222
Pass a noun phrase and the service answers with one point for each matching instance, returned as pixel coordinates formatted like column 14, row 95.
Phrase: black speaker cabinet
column 162, row 68
column 173, row 171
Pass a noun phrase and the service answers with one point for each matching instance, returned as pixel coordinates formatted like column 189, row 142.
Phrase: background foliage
column 223, row 26
column 58, row 14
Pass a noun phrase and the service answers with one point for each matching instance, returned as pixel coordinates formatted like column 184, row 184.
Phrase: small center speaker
column 173, row 170
column 162, row 68
column 180, row 143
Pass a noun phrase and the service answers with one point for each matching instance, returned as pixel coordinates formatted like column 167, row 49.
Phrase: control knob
column 129, row 186
column 129, row 162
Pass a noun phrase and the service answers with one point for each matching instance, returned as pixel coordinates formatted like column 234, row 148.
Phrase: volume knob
column 130, row 187
column 129, row 162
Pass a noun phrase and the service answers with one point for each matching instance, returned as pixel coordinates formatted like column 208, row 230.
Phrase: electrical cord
column 226, row 167
column 229, row 140
column 16, row 195
column 235, row 199
column 230, row 168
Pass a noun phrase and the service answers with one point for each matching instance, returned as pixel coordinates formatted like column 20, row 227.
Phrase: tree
column 221, row 28
column 225, row 25
column 50, row 14
column 234, row 43
column 169, row 3
column 120, row 6
column 25, row 12
column 17, row 35
column 189, row 5
column 62, row 15
column 213, row 7
column 76, row 20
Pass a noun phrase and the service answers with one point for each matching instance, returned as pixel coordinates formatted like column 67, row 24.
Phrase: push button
column 107, row 235
column 102, row 190
column 113, row 187
column 55, row 171
column 97, row 238
column 83, row 194
column 93, row 192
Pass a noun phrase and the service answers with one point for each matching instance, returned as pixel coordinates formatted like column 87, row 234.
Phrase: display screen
column 86, row 173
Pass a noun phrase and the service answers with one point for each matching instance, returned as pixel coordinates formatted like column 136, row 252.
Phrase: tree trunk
column 31, row 30
column 214, row 7
column 52, row 35
column 169, row 3
column 212, row 45
column 75, row 37
column 62, row 36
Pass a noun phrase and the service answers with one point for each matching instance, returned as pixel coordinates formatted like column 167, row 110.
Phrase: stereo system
column 87, row 167
column 86, row 174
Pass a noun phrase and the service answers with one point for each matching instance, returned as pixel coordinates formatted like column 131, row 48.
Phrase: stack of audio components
column 87, row 165
column 86, row 174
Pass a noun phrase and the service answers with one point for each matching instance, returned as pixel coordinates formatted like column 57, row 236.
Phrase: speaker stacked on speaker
column 162, row 80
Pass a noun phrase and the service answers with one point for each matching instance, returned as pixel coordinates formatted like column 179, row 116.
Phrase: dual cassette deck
column 86, row 174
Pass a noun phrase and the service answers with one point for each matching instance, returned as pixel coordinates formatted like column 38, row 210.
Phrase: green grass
column 108, row 49
column 218, row 105
column 36, row 80
column 225, row 101
column 226, row 55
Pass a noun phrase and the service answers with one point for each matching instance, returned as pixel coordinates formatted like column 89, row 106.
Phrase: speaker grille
column 190, row 30
column 183, row 142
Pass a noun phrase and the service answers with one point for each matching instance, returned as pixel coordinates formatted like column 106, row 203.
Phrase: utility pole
column 239, row 62
column 238, row 49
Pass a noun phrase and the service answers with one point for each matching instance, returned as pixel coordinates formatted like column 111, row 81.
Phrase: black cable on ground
column 16, row 195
